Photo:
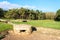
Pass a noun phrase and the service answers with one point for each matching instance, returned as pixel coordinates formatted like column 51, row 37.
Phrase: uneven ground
column 40, row 34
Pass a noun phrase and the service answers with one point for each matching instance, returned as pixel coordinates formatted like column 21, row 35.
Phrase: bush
column 57, row 18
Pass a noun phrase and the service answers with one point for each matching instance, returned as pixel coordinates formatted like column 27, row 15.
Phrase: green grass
column 42, row 23
column 4, row 26
column 37, row 23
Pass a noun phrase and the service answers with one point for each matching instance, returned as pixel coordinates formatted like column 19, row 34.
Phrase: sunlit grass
column 4, row 26
column 42, row 23
column 37, row 23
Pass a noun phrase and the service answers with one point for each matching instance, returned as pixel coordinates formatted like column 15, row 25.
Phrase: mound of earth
column 40, row 34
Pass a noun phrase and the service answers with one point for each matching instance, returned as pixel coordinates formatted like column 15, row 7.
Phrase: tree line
column 25, row 13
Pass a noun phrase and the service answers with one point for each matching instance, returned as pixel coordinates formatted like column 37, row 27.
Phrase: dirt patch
column 40, row 34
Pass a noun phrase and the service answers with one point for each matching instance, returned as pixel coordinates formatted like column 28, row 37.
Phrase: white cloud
column 8, row 5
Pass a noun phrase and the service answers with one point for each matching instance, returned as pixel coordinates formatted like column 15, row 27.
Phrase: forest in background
column 25, row 13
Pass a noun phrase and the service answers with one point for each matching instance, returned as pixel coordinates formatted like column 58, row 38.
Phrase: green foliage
column 58, row 12
column 12, row 13
column 57, row 15
column 24, row 13
column 1, row 13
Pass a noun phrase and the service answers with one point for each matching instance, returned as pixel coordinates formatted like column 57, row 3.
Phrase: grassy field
column 36, row 23
column 4, row 26
column 42, row 23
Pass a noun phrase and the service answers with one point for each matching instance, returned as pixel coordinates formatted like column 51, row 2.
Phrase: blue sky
column 44, row 5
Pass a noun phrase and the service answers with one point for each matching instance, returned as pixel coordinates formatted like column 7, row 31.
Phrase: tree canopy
column 1, row 13
column 57, row 15
column 25, row 13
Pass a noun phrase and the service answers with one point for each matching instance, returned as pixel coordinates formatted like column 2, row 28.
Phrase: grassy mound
column 4, row 26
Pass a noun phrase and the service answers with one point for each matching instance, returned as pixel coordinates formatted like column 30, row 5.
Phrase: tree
column 33, row 15
column 43, row 16
column 57, row 15
column 58, row 12
column 22, row 12
column 37, row 14
column 50, row 15
column 12, row 13
column 1, row 13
